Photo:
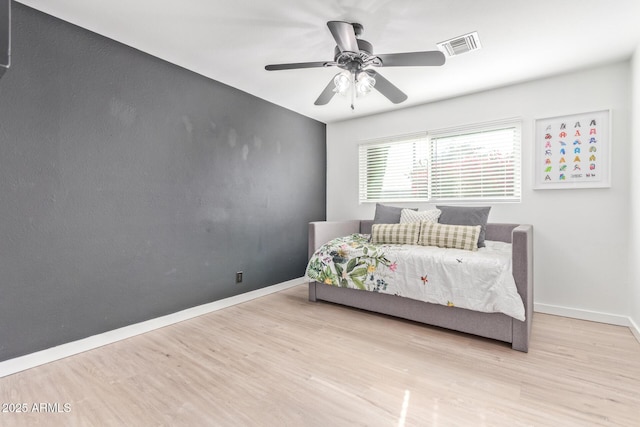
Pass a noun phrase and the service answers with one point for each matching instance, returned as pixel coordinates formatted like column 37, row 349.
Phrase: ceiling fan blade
column 277, row 67
column 413, row 59
column 387, row 88
column 345, row 36
column 327, row 93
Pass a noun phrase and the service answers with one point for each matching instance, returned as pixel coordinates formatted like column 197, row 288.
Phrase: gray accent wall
column 131, row 188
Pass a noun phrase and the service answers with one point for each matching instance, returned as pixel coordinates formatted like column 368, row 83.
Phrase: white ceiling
column 232, row 40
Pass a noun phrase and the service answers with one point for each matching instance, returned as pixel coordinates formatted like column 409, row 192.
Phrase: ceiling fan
column 355, row 57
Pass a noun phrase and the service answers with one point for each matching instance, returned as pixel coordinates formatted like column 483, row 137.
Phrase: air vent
column 461, row 44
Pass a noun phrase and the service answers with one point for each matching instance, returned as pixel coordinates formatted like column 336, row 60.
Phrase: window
column 472, row 163
column 480, row 162
column 395, row 170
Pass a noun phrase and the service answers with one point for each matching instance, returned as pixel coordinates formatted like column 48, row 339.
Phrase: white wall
column 581, row 266
column 634, row 203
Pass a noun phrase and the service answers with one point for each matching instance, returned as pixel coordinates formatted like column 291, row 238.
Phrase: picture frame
column 573, row 151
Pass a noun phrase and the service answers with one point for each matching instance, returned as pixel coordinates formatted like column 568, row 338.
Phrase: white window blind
column 394, row 169
column 471, row 163
column 480, row 162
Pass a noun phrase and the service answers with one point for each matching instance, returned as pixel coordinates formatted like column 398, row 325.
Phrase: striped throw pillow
column 410, row 215
column 395, row 234
column 449, row 236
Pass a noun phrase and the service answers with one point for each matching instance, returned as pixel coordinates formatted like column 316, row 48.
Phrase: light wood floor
column 283, row 361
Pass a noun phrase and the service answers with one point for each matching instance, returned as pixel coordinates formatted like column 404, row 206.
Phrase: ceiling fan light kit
column 342, row 82
column 355, row 58
column 362, row 82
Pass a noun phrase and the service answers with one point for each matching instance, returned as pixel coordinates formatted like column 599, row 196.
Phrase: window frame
column 430, row 138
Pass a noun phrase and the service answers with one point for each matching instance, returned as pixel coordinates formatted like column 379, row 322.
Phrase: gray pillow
column 388, row 214
column 466, row 215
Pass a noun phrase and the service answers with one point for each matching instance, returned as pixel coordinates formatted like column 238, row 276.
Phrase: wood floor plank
column 283, row 361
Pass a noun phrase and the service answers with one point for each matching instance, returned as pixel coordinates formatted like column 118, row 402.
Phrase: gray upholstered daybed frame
column 497, row 326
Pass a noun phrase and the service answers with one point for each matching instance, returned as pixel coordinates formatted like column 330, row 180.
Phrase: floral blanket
column 479, row 281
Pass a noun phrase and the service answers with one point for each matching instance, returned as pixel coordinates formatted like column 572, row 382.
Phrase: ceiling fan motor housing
column 358, row 29
column 363, row 45
column 354, row 61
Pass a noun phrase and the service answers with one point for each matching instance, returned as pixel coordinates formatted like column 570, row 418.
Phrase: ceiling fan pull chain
column 353, row 90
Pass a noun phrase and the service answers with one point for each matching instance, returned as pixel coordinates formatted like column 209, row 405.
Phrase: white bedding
column 479, row 281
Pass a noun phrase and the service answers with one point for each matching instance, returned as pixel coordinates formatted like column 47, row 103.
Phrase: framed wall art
column 573, row 151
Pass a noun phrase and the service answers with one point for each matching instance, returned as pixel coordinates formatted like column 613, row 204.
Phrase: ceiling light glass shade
column 364, row 83
column 342, row 82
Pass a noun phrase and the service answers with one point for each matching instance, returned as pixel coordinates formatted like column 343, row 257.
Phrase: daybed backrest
column 499, row 232
column 365, row 226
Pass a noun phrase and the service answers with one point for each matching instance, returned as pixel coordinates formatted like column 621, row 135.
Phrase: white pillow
column 409, row 215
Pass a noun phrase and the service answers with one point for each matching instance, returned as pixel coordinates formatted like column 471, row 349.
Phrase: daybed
column 496, row 326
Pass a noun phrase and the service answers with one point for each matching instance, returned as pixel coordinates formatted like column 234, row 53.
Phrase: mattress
column 475, row 280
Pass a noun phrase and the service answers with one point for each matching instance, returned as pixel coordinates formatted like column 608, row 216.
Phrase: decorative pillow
column 387, row 214
column 395, row 234
column 466, row 215
column 449, row 236
column 408, row 215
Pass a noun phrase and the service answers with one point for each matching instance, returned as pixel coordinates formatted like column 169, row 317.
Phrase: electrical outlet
column 239, row 277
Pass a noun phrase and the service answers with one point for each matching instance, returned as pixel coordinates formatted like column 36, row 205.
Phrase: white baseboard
column 635, row 330
column 593, row 316
column 32, row 360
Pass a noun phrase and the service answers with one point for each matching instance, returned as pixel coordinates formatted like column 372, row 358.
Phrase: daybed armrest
column 320, row 232
column 522, row 252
